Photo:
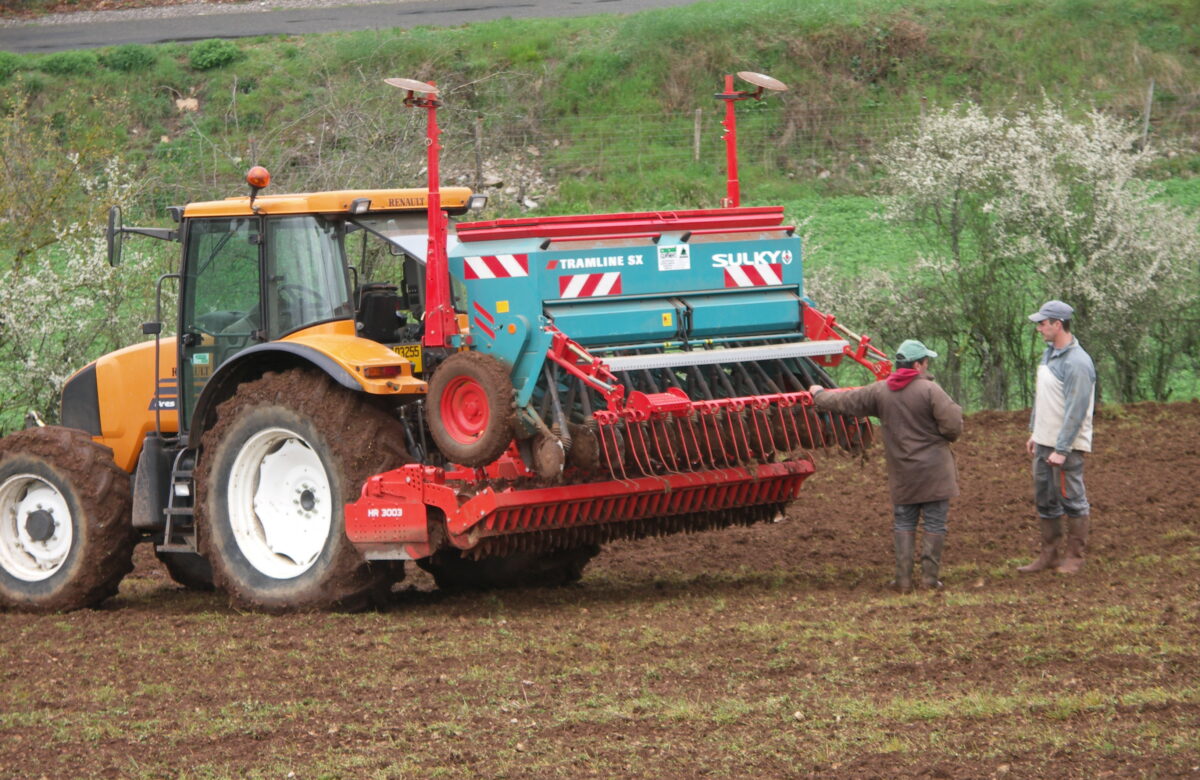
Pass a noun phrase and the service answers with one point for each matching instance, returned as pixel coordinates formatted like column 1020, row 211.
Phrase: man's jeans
column 935, row 513
column 1058, row 490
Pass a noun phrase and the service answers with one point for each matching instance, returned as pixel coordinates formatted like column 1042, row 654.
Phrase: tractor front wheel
column 66, row 537
column 470, row 408
column 287, row 453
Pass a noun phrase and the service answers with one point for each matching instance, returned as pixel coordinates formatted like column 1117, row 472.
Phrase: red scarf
column 901, row 377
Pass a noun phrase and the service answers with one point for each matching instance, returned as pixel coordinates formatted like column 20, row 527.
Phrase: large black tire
column 66, row 534
column 452, row 572
column 470, row 408
column 286, row 454
column 190, row 570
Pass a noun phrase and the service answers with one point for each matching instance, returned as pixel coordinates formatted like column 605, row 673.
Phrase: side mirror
column 115, row 235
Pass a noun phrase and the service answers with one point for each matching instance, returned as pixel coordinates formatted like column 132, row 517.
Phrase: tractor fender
column 250, row 364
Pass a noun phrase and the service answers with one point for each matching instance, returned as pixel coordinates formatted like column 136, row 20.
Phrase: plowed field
column 765, row 652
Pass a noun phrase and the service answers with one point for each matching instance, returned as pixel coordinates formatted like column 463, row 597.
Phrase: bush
column 69, row 63
column 129, row 58
column 214, row 53
column 9, row 64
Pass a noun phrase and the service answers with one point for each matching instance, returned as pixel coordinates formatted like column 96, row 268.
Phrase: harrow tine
column 762, row 452
column 667, row 460
column 688, row 427
column 742, row 439
column 641, row 448
column 708, row 423
column 809, row 416
column 611, row 452
column 844, row 441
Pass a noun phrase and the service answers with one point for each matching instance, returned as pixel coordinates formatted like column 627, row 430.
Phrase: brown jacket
column 919, row 422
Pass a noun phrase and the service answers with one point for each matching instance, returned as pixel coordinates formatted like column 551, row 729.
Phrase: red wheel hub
column 464, row 409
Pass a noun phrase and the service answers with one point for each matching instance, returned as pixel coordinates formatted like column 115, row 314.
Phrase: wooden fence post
column 1146, row 114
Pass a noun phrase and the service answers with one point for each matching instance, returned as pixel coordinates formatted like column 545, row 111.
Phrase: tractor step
column 188, row 546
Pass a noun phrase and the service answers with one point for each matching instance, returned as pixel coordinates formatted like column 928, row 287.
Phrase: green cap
column 914, row 350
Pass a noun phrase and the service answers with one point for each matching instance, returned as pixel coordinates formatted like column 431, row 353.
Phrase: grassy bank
column 576, row 115
column 599, row 113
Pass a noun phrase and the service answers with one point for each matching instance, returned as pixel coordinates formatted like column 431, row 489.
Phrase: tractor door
column 307, row 281
column 222, row 311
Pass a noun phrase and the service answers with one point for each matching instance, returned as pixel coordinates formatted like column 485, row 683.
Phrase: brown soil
column 639, row 669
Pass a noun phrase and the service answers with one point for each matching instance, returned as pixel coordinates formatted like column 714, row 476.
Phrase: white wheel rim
column 35, row 528
column 280, row 507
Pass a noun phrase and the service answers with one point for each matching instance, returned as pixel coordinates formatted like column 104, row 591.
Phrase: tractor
column 518, row 393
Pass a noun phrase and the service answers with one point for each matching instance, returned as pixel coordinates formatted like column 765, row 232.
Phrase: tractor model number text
column 386, row 512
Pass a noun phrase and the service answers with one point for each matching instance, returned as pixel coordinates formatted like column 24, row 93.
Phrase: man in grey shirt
column 1061, row 432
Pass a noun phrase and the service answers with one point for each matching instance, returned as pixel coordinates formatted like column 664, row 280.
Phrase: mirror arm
column 166, row 234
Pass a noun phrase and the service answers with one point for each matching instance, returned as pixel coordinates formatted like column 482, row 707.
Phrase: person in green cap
column 919, row 422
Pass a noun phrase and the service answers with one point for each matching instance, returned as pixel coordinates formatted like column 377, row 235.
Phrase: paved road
column 223, row 23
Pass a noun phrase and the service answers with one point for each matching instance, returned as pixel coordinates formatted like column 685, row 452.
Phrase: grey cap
column 1052, row 310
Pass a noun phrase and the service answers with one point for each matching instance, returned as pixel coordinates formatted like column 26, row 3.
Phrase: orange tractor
column 520, row 392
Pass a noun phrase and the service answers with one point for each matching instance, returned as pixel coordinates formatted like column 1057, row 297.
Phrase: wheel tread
column 103, row 491
column 367, row 440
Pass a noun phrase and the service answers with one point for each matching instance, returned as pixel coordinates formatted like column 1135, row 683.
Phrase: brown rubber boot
column 903, row 543
column 1077, row 535
column 931, row 560
column 1051, row 555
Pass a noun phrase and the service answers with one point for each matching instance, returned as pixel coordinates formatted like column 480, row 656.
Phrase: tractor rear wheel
column 66, row 537
column 470, row 408
column 452, row 572
column 287, row 452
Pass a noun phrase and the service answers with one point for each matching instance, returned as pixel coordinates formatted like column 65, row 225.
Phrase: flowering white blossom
column 1022, row 207
column 65, row 306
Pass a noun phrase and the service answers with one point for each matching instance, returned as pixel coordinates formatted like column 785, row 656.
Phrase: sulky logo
column 761, row 257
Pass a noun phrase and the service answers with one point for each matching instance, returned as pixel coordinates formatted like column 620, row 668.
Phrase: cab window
column 306, row 273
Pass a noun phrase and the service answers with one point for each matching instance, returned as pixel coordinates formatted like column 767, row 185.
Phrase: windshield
column 407, row 238
column 307, row 280
column 408, row 232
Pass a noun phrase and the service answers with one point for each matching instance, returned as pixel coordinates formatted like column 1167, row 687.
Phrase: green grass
column 858, row 65
column 601, row 109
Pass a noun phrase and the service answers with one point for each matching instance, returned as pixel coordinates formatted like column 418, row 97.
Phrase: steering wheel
column 300, row 292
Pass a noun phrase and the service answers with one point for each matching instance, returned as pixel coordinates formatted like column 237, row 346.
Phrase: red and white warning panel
column 495, row 266
column 589, row 285
column 758, row 275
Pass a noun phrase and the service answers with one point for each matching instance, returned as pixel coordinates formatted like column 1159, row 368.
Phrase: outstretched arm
column 859, row 402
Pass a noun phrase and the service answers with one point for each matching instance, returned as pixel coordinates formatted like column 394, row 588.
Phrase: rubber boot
column 931, row 560
column 1077, row 534
column 903, row 543
column 1051, row 554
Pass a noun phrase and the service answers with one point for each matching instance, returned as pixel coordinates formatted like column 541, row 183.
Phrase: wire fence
column 827, row 140
column 522, row 156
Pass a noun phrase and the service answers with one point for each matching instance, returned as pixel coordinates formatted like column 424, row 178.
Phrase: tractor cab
column 275, row 268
